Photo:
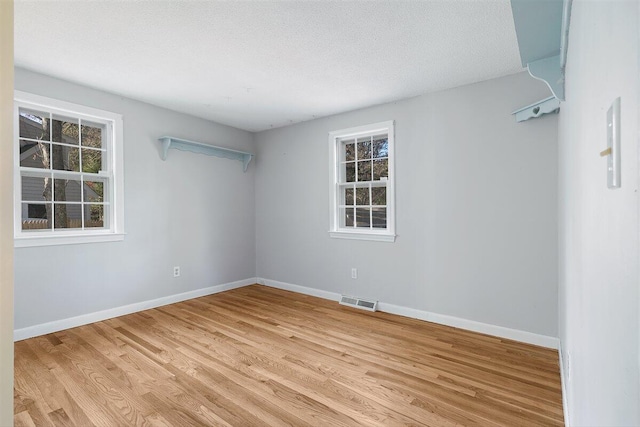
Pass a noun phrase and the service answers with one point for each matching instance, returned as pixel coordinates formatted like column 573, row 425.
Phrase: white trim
column 65, row 106
column 333, row 296
column 354, row 235
column 472, row 325
column 40, row 240
column 442, row 319
column 371, row 129
column 72, row 322
column 563, row 383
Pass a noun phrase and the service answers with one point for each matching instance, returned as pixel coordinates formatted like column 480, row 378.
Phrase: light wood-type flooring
column 258, row 356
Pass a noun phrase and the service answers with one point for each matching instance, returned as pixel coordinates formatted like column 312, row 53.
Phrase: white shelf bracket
column 549, row 71
column 537, row 109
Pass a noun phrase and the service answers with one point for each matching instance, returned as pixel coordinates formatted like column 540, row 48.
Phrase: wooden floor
column 258, row 356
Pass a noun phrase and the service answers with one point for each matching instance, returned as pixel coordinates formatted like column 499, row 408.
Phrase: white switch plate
column 613, row 142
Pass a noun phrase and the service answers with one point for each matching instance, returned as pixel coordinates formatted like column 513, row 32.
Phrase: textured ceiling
column 258, row 65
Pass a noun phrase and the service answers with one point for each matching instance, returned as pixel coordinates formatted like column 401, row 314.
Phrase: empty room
column 319, row 213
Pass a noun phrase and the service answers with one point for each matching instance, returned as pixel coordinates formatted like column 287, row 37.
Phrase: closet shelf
column 201, row 148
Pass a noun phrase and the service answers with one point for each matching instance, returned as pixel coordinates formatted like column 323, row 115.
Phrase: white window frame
column 335, row 139
column 113, row 157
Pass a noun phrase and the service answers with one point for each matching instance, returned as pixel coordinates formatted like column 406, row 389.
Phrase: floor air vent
column 358, row 303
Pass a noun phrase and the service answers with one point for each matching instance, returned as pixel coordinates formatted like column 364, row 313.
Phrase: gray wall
column 194, row 211
column 599, row 279
column 476, row 205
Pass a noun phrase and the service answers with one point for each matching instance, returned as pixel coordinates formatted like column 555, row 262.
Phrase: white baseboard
column 442, row 319
column 563, row 383
column 299, row 289
column 472, row 325
column 72, row 322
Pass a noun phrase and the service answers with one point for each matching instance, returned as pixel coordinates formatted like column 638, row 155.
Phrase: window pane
column 349, row 151
column 65, row 158
column 379, row 216
column 92, row 134
column 65, row 130
column 346, row 218
column 380, row 146
column 74, row 216
column 380, row 169
column 94, row 190
column 34, row 154
column 94, row 216
column 362, row 196
column 363, row 217
column 364, row 171
column 379, row 196
column 66, row 216
column 364, row 148
column 36, row 189
column 350, row 172
column 34, row 124
column 67, row 190
column 34, row 216
column 91, row 160
column 348, row 196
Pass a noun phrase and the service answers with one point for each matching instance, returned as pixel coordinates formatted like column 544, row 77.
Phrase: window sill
column 354, row 235
column 70, row 239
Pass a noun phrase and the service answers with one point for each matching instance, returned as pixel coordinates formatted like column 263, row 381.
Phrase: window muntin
column 67, row 184
column 362, row 182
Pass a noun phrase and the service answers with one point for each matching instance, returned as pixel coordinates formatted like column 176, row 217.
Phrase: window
column 362, row 185
column 68, row 173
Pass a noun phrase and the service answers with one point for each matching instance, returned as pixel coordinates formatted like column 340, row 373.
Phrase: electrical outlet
column 176, row 271
column 354, row 273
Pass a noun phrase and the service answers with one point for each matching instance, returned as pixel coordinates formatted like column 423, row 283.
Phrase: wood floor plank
column 262, row 356
column 52, row 391
column 23, row 419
